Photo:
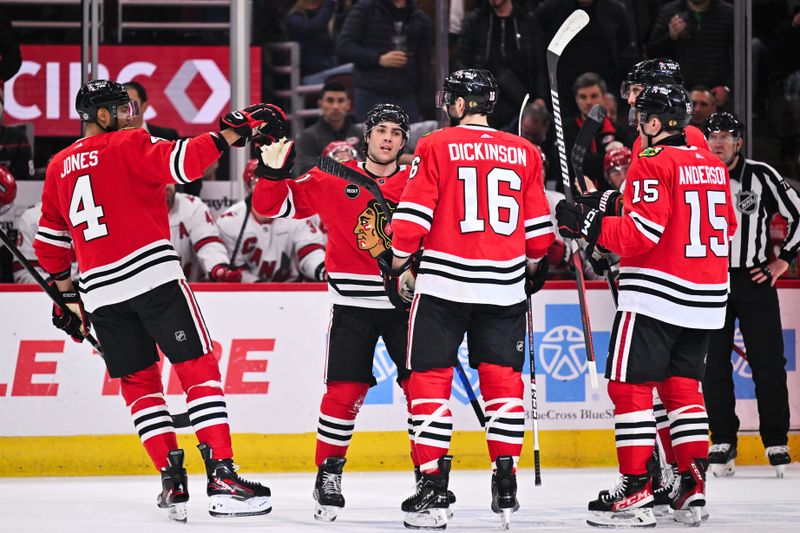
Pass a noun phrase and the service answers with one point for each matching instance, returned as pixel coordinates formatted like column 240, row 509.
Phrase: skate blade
column 642, row 517
column 326, row 513
column 692, row 516
column 724, row 470
column 662, row 510
column 177, row 512
column 779, row 471
column 505, row 518
column 429, row 519
column 228, row 506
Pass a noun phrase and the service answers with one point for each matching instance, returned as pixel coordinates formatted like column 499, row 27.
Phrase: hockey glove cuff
column 534, row 280
column 276, row 160
column 578, row 221
column 399, row 283
column 264, row 118
column 607, row 202
column 75, row 323
column 226, row 273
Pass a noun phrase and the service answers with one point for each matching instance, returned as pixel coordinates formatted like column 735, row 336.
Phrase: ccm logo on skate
column 627, row 503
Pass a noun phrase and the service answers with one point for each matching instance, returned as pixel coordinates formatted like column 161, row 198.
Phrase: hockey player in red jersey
column 362, row 312
column 673, row 241
column 104, row 195
column 475, row 206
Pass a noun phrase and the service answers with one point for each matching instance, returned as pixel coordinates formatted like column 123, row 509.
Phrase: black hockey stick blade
column 583, row 142
column 336, row 169
column 181, row 420
column 52, row 292
column 473, row 400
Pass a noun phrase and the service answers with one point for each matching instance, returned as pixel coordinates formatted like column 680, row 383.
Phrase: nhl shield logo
column 180, row 335
column 352, row 191
column 746, row 202
column 520, row 345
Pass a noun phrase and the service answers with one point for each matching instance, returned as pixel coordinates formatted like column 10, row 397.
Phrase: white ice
column 753, row 501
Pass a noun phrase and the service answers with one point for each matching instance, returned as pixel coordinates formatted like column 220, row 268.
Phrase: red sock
column 144, row 396
column 662, row 425
column 688, row 421
column 208, row 412
column 501, row 387
column 634, row 424
column 430, row 415
column 337, row 418
column 406, row 386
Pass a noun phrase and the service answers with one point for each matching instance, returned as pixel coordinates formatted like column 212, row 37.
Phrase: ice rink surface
column 753, row 501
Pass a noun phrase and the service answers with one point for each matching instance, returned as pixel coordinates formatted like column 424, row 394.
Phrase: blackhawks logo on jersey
column 652, row 151
column 370, row 230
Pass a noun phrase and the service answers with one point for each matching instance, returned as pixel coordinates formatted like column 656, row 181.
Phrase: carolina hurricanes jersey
column 674, row 237
column 277, row 250
column 694, row 137
column 27, row 227
column 355, row 225
column 105, row 195
column 195, row 236
column 475, row 202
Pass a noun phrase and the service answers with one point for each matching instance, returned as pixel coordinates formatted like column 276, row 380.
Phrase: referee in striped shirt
column 758, row 192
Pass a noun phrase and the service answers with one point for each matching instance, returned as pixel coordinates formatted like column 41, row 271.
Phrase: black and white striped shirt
column 758, row 192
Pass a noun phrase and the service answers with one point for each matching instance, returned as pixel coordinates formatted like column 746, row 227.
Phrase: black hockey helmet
column 670, row 103
column 386, row 113
column 478, row 87
column 652, row 72
column 101, row 93
column 724, row 121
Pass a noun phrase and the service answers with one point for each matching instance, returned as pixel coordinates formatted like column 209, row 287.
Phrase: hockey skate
column 427, row 508
column 229, row 494
column 174, row 489
column 721, row 458
column 778, row 457
column 665, row 487
column 328, row 489
column 504, row 490
column 451, row 497
column 628, row 504
column 690, row 501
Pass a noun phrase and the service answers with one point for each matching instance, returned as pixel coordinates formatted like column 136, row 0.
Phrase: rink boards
column 60, row 414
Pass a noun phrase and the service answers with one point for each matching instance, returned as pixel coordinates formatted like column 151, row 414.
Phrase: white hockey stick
column 522, row 110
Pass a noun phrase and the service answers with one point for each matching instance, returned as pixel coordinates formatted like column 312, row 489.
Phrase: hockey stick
column 473, row 400
column 521, row 111
column 51, row 291
column 248, row 203
column 574, row 23
column 741, row 353
column 537, row 468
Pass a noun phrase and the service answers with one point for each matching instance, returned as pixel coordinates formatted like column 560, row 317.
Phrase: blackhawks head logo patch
column 370, row 230
column 652, row 151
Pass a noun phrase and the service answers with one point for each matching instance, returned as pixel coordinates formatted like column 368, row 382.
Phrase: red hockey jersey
column 105, row 194
column 356, row 231
column 674, row 237
column 694, row 137
column 475, row 201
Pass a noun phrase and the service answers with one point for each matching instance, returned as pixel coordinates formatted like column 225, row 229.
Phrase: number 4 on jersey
column 83, row 210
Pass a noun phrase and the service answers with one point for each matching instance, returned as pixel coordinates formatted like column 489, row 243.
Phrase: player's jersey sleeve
column 204, row 236
column 539, row 230
column 52, row 242
column 309, row 247
column 412, row 218
column 27, row 224
column 289, row 198
column 648, row 205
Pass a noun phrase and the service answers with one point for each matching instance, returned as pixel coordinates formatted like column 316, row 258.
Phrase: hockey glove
column 399, row 283
column 534, row 281
column 607, row 202
column 76, row 323
column 226, row 273
column 264, row 118
column 578, row 221
column 602, row 260
column 276, row 160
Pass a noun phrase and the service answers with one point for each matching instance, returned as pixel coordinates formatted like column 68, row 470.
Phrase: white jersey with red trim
column 276, row 250
column 105, row 194
column 195, row 236
column 27, row 226
column 475, row 202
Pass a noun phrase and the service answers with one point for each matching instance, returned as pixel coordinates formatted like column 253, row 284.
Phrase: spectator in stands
column 615, row 166
column 335, row 124
column 138, row 95
column 8, row 193
column 10, row 57
column 698, row 34
column 341, row 151
column 704, row 104
column 15, row 149
column 310, row 23
column 642, row 16
column 535, row 127
column 389, row 41
column 603, row 46
column 502, row 36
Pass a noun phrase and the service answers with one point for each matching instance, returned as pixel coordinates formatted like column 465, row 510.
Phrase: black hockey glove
column 399, row 283
column 607, row 202
column 535, row 281
column 76, row 322
column 602, row 260
column 265, row 118
column 276, row 160
column 578, row 221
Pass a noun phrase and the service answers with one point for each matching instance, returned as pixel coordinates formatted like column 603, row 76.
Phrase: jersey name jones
column 79, row 162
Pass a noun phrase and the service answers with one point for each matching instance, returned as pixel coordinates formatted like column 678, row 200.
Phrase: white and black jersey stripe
column 176, row 162
column 688, row 426
column 60, row 238
column 502, row 424
column 208, row 411
column 414, row 213
column 153, row 421
column 646, row 227
column 672, row 299
column 359, row 290
column 335, row 431
column 635, row 429
column 758, row 192
column 535, row 227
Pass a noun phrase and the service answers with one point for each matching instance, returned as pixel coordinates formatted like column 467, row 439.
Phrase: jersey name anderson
column 702, row 175
column 478, row 151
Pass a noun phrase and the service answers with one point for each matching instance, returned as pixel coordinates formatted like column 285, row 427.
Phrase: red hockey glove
column 534, row 281
column 607, row 202
column 399, row 283
column 276, row 160
column 578, row 221
column 265, row 118
column 76, row 323
column 224, row 273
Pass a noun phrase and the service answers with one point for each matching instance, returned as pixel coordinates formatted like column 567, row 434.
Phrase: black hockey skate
column 427, row 508
column 230, row 495
column 328, row 489
column 628, row 504
column 174, row 488
column 451, row 497
column 778, row 457
column 690, row 501
column 665, row 483
column 722, row 457
column 504, row 489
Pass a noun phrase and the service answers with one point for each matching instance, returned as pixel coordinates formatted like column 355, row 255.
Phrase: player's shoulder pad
column 651, row 151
